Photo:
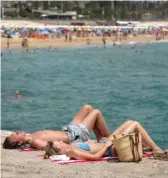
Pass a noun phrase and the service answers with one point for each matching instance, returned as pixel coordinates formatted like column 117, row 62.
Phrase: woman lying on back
column 90, row 150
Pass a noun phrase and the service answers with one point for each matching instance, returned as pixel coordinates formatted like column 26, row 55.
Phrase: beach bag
column 128, row 146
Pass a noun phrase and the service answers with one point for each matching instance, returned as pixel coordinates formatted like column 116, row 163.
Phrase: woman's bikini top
column 86, row 147
column 83, row 146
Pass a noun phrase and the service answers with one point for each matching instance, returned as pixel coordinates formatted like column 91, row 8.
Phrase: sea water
column 125, row 83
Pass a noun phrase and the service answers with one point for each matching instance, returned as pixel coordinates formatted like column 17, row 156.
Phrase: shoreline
column 15, row 43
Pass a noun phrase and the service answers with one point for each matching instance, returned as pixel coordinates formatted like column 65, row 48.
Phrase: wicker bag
column 128, row 147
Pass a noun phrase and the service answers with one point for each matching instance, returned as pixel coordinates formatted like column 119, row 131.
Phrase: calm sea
column 124, row 83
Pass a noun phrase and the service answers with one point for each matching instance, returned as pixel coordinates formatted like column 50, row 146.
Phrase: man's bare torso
column 50, row 135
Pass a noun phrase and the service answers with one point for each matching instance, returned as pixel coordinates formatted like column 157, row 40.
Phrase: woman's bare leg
column 83, row 112
column 94, row 120
column 136, row 126
column 123, row 127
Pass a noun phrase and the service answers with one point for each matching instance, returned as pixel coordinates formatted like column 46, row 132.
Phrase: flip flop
column 161, row 156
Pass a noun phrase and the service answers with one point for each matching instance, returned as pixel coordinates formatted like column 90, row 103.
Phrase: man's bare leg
column 83, row 112
column 97, row 133
column 123, row 127
column 136, row 126
column 95, row 120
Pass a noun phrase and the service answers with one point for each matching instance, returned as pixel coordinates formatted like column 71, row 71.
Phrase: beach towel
column 63, row 159
column 27, row 150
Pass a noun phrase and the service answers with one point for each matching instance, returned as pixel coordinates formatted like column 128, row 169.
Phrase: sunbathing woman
column 93, row 151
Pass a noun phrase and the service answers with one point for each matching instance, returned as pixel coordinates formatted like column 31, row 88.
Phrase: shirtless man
column 86, row 120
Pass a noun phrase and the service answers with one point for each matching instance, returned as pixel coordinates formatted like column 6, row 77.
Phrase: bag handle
column 135, row 145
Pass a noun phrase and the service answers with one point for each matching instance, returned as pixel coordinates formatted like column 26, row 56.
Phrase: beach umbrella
column 98, row 31
column 45, row 32
column 125, row 30
column 89, row 29
column 54, row 30
column 10, row 33
column 24, row 30
column 44, row 15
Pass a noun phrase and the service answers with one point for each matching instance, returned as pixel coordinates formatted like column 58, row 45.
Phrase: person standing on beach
column 8, row 43
column 70, row 36
column 104, row 40
column 66, row 35
column 25, row 44
column 88, row 40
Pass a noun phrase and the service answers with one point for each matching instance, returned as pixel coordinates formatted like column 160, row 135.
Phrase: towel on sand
column 63, row 159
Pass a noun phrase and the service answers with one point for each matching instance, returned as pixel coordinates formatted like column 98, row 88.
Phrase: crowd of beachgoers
column 81, row 31
column 71, row 33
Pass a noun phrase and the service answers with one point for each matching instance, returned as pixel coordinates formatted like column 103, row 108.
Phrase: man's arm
column 38, row 144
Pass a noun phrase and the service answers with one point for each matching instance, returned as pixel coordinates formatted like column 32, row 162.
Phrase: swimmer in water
column 18, row 95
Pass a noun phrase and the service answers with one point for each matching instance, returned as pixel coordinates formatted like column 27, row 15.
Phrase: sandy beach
column 33, row 43
column 28, row 164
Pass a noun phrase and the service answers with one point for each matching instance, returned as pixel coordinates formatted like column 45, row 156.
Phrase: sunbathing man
column 86, row 120
column 90, row 150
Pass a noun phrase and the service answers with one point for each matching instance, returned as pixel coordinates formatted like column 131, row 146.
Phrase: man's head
column 14, row 140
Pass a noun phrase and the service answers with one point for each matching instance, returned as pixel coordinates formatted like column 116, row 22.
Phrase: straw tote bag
column 128, row 147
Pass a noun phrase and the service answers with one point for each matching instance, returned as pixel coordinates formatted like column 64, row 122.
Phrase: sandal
column 49, row 150
column 161, row 156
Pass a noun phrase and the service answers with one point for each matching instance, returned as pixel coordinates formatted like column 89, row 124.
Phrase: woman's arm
column 82, row 154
